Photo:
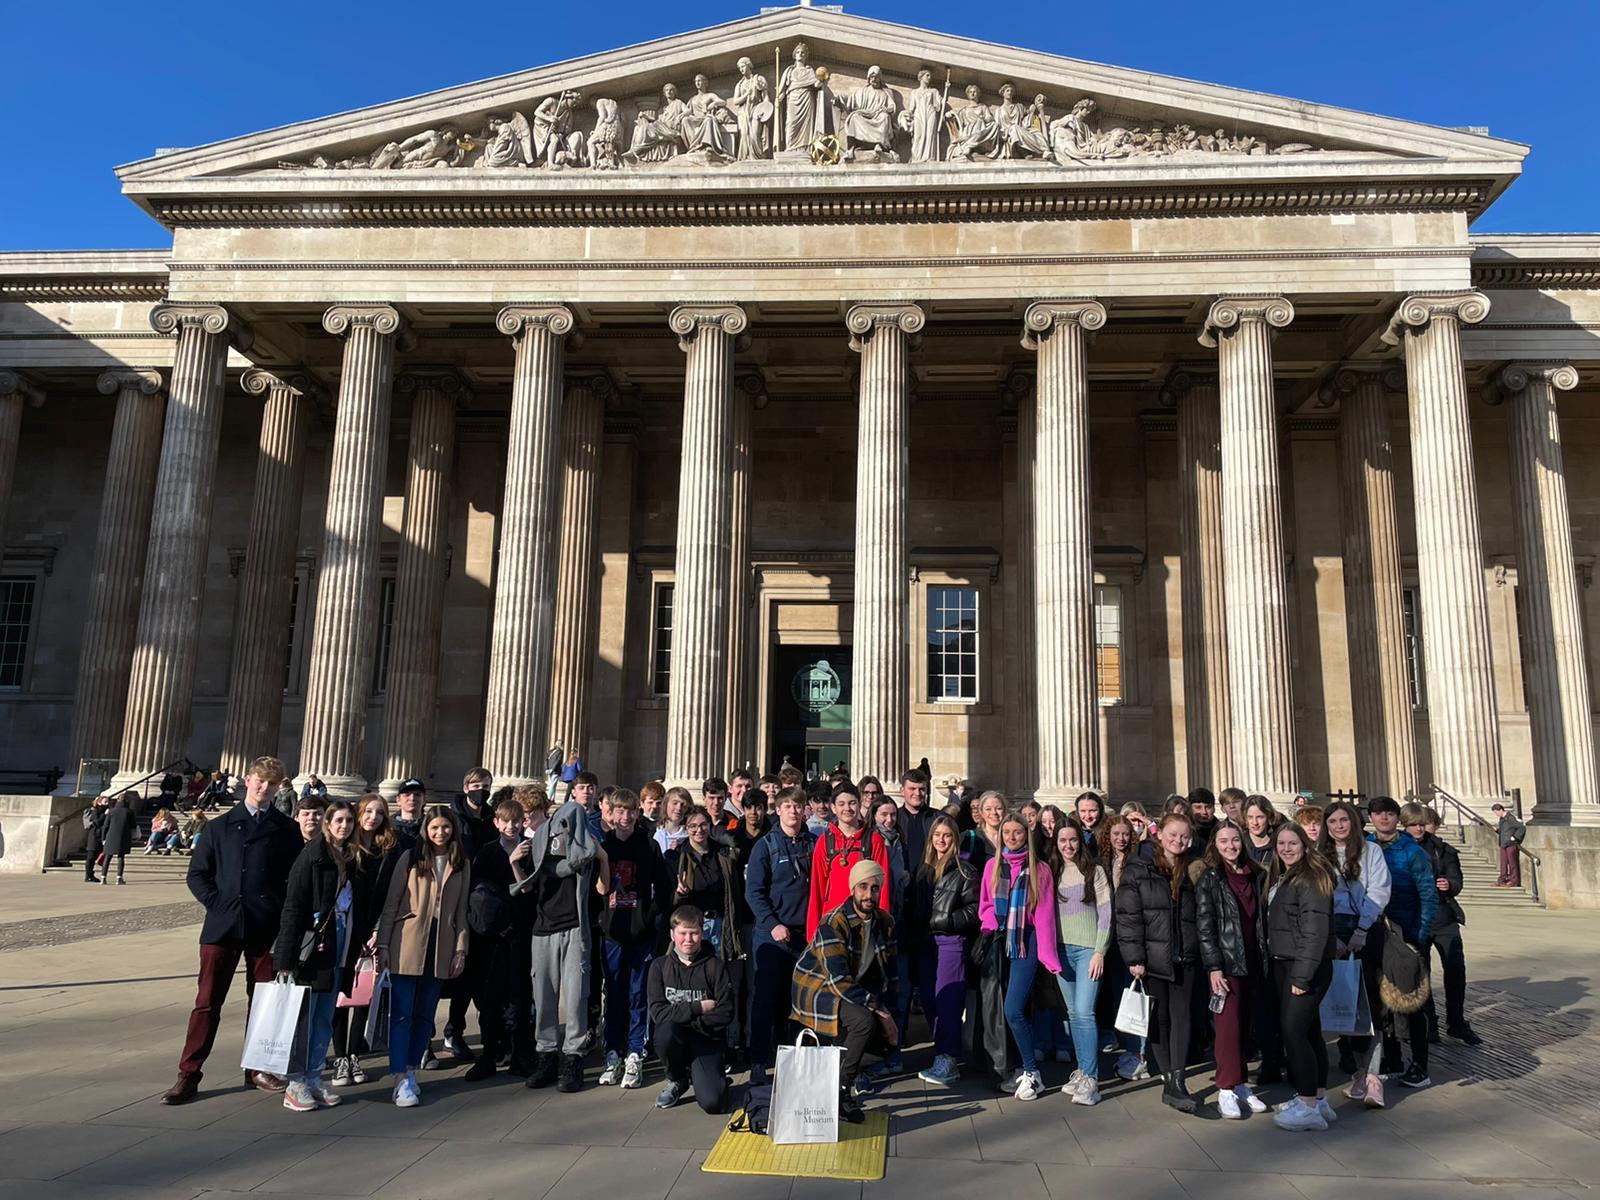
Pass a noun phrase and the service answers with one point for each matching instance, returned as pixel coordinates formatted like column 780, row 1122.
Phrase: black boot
column 545, row 1069
column 1175, row 1092
column 571, row 1074
column 850, row 1108
column 482, row 1069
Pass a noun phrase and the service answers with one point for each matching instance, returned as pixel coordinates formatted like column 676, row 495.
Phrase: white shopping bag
column 1344, row 1009
column 1133, row 1013
column 276, row 1030
column 805, row 1093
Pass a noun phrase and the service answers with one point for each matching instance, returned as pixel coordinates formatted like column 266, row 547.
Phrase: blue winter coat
column 1413, row 890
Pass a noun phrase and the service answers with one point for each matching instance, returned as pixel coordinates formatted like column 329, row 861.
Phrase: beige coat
column 403, row 929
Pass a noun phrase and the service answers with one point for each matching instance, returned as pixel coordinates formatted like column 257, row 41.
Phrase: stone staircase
column 1480, row 869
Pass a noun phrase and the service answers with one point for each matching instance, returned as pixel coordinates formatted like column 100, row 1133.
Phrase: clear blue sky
column 90, row 86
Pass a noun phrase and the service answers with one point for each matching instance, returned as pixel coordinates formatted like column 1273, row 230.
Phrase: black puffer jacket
column 1154, row 930
column 1300, row 927
column 1219, row 922
column 948, row 906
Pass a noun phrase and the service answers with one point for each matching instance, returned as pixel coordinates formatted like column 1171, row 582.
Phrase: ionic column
column 1463, row 725
column 156, row 722
column 880, row 715
column 1025, row 729
column 1208, row 743
column 412, row 695
column 105, row 654
column 1558, row 690
column 577, row 575
column 255, row 697
column 14, row 390
column 749, row 393
column 1380, row 697
column 517, row 716
column 697, row 703
column 1260, row 702
column 1063, row 550
column 345, row 639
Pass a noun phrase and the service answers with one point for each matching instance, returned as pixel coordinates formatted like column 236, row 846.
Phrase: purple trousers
column 944, row 977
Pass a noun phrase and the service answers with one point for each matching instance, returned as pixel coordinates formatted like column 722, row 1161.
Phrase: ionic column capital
column 517, row 319
column 866, row 319
column 1044, row 317
column 213, row 318
column 1347, row 377
column 342, row 318
column 1517, row 377
column 1181, row 381
column 439, row 379
column 688, row 320
column 12, row 384
column 259, row 382
column 596, row 379
column 753, row 383
column 1229, row 313
column 148, row 382
column 1416, row 313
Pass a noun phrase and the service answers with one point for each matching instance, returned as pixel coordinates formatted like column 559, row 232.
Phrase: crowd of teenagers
column 696, row 934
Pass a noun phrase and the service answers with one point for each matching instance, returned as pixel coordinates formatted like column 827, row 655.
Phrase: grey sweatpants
column 560, row 988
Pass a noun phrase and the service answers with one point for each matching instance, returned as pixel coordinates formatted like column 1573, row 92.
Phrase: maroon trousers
column 1511, row 865
column 217, row 965
column 1231, row 1029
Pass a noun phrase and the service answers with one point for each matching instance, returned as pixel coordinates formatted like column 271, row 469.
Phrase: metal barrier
column 1464, row 814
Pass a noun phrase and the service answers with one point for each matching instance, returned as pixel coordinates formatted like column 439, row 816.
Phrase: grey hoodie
column 567, row 836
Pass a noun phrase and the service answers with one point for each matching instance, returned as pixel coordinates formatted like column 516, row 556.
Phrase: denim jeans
column 1080, row 993
column 412, row 1001
column 320, row 1006
column 1019, row 986
column 626, row 968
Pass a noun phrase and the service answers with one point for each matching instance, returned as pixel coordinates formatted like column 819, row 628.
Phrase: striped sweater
column 1083, row 924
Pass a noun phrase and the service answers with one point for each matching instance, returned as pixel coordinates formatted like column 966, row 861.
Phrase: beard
column 865, row 908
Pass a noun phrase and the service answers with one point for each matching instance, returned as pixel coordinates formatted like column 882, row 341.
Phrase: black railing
column 1464, row 814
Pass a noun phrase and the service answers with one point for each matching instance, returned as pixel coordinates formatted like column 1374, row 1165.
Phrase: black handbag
column 308, row 947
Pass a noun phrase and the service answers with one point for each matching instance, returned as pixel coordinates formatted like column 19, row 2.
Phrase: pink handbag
column 361, row 991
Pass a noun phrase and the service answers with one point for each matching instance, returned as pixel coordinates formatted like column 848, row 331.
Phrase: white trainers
column 1012, row 1082
column 1249, row 1099
column 343, row 1072
column 1031, row 1086
column 943, row 1071
column 325, row 1098
column 613, row 1069
column 406, row 1092
column 633, row 1071
column 1298, row 1117
column 1228, row 1105
column 1087, row 1093
column 297, row 1097
column 1325, row 1110
column 1074, row 1082
column 357, row 1075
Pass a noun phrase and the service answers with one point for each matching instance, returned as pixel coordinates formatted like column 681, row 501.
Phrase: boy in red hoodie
column 840, row 847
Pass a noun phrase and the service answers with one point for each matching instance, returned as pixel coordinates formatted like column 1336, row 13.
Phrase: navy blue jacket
column 240, row 872
column 777, row 880
column 1413, row 887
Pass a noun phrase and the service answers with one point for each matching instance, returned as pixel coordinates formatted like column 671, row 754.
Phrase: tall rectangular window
column 953, row 644
column 288, row 639
column 661, row 640
column 16, row 626
column 380, row 665
column 1411, row 620
column 1108, row 643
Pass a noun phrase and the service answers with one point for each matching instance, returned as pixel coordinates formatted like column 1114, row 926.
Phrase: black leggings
column 1300, row 1024
column 1173, row 1000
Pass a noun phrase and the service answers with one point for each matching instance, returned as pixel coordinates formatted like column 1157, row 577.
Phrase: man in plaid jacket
column 844, row 982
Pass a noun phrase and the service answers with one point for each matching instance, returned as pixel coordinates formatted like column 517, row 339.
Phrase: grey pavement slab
column 268, row 1156
column 353, row 1166
column 605, row 1173
column 473, row 1171
column 49, row 1151
column 161, row 1160
column 695, row 1184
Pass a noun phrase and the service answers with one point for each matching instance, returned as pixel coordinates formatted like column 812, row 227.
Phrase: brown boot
column 183, row 1091
column 263, row 1081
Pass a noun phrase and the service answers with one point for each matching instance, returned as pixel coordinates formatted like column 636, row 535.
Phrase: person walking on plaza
column 1300, row 941
column 1230, row 921
column 636, row 902
column 1509, row 833
column 422, row 942
column 239, row 872
column 1083, row 923
column 1413, row 900
column 941, row 918
column 1420, row 822
column 691, row 1007
column 777, row 887
column 120, row 824
column 313, row 937
column 1016, row 903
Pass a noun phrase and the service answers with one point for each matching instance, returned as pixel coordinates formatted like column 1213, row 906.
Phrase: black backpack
column 752, row 1118
column 832, row 851
column 488, row 914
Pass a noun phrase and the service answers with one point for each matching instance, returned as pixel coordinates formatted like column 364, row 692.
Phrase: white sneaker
column 325, row 1098
column 1299, row 1117
column 357, row 1075
column 1031, row 1086
column 943, row 1071
column 1088, row 1093
column 297, row 1097
column 1131, row 1066
column 613, row 1069
column 1325, row 1110
column 1248, row 1098
column 633, row 1071
column 1228, row 1105
column 406, row 1092
column 1074, row 1082
column 1011, row 1082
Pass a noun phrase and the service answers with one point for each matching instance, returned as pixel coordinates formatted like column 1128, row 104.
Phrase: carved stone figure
column 508, row 143
column 1022, row 129
column 751, row 104
column 658, row 133
column 870, row 114
column 1073, row 138
column 605, row 143
column 807, row 102
column 923, row 118
column 555, row 142
column 439, row 147
column 977, row 130
column 709, row 126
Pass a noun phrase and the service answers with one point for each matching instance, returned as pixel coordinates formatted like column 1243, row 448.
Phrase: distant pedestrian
column 94, row 824
column 1509, row 832
column 119, row 828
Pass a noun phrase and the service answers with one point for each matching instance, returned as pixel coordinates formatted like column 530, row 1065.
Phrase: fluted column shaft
column 577, row 574
column 344, row 643
column 1063, row 550
column 13, row 391
column 1559, row 706
column 1256, row 606
column 156, row 723
column 1463, row 725
column 1380, row 697
column 105, row 654
column 1026, row 726
column 255, row 697
column 739, row 745
column 517, row 716
column 697, row 701
column 412, row 696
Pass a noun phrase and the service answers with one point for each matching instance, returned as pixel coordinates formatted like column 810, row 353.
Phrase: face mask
column 479, row 796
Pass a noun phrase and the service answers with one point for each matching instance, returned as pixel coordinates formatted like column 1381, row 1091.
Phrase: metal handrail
column 1515, row 795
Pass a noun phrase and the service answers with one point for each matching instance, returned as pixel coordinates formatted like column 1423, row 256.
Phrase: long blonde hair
column 934, row 864
column 1032, row 859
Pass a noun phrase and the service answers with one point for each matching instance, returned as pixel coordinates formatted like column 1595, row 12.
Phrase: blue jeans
column 319, row 1018
column 412, row 1001
column 1018, row 988
column 1080, row 992
column 627, row 971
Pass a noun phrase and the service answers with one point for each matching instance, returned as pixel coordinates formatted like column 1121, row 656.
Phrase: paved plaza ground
column 96, row 984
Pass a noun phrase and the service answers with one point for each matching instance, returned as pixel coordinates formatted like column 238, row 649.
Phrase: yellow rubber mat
column 858, row 1154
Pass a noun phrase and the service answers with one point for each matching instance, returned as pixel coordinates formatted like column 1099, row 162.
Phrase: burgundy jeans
column 217, row 965
column 1232, row 1027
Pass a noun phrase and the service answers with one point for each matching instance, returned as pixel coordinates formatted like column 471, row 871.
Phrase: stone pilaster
column 517, row 716
column 1208, row 740
column 1559, row 706
column 697, row 704
column 157, row 720
column 344, row 642
column 255, row 696
column 577, row 574
column 14, row 391
column 880, row 715
column 412, row 696
column 1256, row 606
column 1025, row 729
column 1380, row 697
column 105, row 654
column 1463, row 725
column 1063, row 550
column 748, row 393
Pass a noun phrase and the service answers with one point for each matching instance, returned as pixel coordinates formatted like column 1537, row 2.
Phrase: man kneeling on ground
column 691, row 1005
column 844, row 983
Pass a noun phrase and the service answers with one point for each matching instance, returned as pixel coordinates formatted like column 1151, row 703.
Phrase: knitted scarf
column 1011, row 901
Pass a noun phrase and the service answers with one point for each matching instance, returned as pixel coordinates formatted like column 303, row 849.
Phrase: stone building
column 887, row 395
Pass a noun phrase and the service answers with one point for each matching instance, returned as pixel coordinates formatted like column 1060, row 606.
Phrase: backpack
column 832, row 851
column 753, row 1117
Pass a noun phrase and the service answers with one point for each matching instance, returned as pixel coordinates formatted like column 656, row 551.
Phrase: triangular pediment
column 616, row 113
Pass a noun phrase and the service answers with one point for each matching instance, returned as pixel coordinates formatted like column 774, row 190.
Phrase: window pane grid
column 953, row 644
column 16, row 622
column 661, row 654
column 1412, row 620
column 288, row 641
column 1108, row 643
column 380, row 682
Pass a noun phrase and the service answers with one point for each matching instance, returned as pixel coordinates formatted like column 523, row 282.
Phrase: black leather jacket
column 1219, row 923
column 948, row 907
column 1153, row 930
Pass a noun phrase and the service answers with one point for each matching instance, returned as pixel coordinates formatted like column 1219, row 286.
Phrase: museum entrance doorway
column 809, row 707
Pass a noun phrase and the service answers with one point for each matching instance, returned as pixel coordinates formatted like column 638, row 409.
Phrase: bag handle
column 1138, row 986
column 805, row 1033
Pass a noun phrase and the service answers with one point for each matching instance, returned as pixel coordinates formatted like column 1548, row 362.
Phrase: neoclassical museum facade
column 819, row 388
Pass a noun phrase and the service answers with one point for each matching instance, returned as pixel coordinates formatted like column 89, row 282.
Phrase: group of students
column 706, row 930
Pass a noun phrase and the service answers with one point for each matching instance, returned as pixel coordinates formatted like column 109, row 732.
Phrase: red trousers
column 1231, row 1028
column 217, row 965
column 1511, row 865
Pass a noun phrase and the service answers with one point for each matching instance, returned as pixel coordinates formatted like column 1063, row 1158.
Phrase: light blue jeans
column 1079, row 991
column 319, row 1020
